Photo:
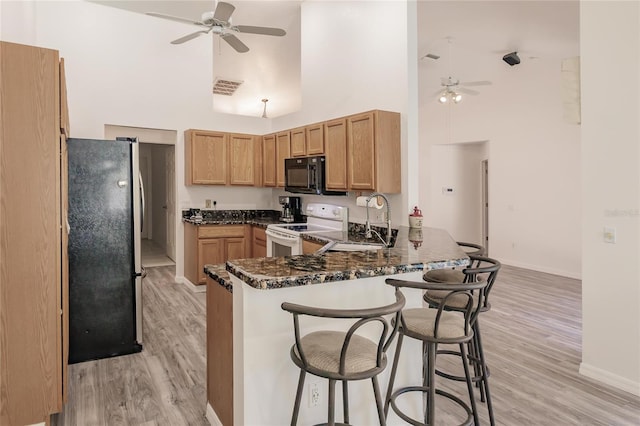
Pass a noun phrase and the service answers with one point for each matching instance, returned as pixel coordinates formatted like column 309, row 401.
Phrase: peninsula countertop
column 414, row 250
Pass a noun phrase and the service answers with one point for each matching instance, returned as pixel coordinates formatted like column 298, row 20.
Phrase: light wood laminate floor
column 531, row 336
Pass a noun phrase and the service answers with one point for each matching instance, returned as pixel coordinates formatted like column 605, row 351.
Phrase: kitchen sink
column 350, row 246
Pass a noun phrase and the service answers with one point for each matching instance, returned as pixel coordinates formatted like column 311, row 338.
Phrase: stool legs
column 376, row 392
column 345, row 401
column 485, row 372
column 296, row 406
column 392, row 377
column 474, row 410
column 332, row 401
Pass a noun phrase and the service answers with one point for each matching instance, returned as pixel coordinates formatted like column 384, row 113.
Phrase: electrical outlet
column 314, row 394
column 207, row 204
column 214, row 204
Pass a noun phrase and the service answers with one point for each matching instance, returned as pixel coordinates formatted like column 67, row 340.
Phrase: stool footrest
column 472, row 360
column 425, row 389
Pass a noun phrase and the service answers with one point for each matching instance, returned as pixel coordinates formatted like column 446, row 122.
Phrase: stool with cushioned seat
column 343, row 356
column 433, row 327
column 486, row 269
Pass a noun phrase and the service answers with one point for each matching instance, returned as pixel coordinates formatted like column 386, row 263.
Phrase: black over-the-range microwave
column 306, row 175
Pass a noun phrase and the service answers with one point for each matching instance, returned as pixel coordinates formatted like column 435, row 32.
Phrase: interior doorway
column 157, row 170
column 157, row 179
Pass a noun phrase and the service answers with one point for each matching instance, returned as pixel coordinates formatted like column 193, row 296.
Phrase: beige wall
column 610, row 49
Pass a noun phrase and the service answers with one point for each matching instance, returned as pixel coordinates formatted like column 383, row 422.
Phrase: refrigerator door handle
column 141, row 202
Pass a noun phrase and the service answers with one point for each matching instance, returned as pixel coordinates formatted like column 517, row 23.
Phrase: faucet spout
column 368, row 230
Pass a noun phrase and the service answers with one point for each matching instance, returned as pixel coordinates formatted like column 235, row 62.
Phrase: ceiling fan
column 453, row 89
column 219, row 22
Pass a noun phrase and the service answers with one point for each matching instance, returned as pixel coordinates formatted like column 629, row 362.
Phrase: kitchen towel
column 362, row 202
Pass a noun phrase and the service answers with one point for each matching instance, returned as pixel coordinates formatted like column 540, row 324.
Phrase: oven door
column 282, row 244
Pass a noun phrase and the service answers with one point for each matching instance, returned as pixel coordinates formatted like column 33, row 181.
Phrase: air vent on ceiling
column 224, row 86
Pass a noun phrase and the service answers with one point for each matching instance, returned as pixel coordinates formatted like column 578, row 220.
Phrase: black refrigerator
column 105, row 274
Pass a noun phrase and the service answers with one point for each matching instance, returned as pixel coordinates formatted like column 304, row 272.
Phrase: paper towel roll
column 362, row 202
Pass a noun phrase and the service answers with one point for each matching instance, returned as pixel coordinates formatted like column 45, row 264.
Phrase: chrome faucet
column 368, row 230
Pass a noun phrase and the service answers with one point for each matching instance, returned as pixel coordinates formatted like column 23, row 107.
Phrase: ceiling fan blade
column 188, row 37
column 223, row 11
column 260, row 30
column 467, row 91
column 476, row 83
column 235, row 42
column 174, row 18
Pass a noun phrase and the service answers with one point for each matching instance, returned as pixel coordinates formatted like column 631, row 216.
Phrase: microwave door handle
column 312, row 175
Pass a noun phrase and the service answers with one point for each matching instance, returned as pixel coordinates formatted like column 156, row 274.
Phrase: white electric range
column 285, row 239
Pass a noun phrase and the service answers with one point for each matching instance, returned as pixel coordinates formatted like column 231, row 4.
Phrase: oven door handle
column 281, row 236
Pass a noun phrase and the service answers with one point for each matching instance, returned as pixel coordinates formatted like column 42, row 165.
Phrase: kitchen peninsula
column 255, row 384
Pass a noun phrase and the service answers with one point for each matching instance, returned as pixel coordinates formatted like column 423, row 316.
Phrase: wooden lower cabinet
column 309, row 247
column 220, row 351
column 212, row 244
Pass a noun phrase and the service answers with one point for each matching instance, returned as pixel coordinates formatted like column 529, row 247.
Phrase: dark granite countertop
column 414, row 250
column 260, row 218
column 219, row 273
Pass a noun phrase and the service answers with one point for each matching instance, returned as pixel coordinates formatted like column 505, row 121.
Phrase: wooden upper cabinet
column 299, row 142
column 361, row 146
column 242, row 160
column 335, row 136
column 65, row 127
column 283, row 150
column 269, row 160
column 205, row 158
column 315, row 139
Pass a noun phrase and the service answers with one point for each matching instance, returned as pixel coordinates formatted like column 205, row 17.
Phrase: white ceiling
column 481, row 33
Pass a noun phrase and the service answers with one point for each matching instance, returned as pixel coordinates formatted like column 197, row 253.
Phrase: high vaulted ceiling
column 481, row 32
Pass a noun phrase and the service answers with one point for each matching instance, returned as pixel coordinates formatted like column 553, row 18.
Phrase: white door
column 170, row 203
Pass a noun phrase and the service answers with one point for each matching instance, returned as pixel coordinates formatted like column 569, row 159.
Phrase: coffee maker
column 291, row 209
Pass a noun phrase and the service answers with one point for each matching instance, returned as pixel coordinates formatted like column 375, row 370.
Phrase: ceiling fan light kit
column 219, row 22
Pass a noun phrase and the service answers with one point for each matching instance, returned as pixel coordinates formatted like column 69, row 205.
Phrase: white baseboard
column 212, row 417
column 191, row 286
column 610, row 379
column 575, row 275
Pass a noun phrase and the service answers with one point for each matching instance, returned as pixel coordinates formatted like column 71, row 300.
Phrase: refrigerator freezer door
column 102, row 270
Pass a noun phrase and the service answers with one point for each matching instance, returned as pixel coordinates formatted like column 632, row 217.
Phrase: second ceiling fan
column 219, row 22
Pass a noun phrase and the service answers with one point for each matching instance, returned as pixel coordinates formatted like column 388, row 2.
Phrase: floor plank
column 532, row 339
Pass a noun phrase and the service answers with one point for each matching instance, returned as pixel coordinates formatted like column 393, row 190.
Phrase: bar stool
column 487, row 269
column 343, row 356
column 454, row 275
column 433, row 327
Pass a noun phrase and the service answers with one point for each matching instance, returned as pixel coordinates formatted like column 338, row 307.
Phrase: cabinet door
column 298, row 142
column 234, row 248
column 361, row 147
column 283, row 150
column 241, row 160
column 269, row 160
column 210, row 251
column 335, row 132
column 315, row 139
column 259, row 242
column 206, row 158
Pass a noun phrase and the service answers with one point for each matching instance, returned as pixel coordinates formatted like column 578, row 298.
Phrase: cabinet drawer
column 221, row 231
